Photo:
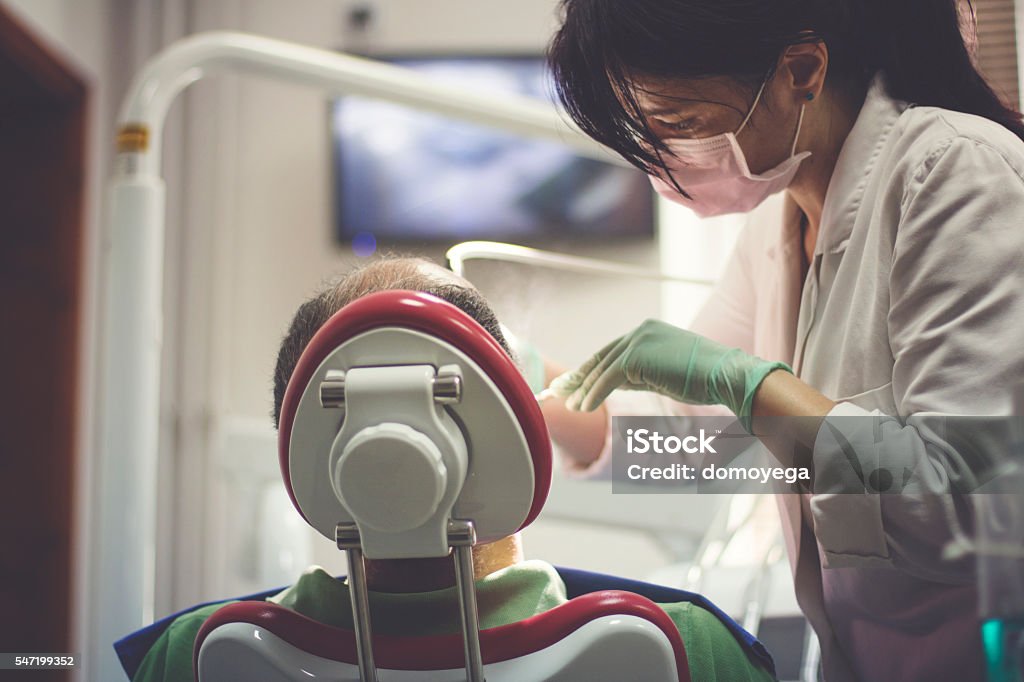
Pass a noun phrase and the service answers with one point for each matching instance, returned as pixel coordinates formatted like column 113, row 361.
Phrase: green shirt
column 506, row 596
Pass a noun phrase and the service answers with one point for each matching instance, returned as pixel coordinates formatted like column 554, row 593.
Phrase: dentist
column 891, row 289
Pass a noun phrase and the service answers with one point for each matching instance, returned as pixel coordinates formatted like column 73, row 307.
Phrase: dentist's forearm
column 579, row 435
column 788, row 412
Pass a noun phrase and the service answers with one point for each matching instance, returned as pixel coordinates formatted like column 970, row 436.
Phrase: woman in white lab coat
column 891, row 290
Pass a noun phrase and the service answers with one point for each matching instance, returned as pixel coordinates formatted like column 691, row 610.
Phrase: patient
column 417, row 596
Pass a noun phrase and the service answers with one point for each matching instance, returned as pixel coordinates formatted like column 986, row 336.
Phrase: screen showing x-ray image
column 401, row 174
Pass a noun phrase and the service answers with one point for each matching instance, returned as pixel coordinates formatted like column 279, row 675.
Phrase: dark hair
column 917, row 44
column 382, row 274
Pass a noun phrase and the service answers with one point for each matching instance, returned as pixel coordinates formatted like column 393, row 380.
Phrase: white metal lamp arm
column 188, row 60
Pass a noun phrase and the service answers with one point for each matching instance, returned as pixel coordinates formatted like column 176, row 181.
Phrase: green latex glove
column 674, row 362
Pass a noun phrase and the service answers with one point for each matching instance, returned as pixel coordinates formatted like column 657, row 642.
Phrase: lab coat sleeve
column 727, row 316
column 956, row 306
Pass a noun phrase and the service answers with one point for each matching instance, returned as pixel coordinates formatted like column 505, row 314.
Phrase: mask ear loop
column 799, row 121
column 799, row 125
column 752, row 107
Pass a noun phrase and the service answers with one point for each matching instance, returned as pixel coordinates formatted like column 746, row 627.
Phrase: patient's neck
column 426, row 575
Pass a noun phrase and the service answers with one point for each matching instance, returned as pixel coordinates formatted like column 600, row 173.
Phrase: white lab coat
column 913, row 305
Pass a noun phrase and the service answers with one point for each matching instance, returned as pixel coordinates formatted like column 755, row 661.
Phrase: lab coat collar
column 857, row 159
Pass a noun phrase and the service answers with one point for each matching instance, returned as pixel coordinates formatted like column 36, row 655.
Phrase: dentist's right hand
column 671, row 361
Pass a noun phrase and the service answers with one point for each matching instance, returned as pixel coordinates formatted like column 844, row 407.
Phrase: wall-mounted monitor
column 406, row 175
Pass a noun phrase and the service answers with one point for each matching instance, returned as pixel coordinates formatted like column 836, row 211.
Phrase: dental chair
column 407, row 432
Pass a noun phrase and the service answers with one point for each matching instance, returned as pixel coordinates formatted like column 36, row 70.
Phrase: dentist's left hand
column 673, row 362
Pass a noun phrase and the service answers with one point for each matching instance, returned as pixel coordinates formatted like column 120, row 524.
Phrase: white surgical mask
column 714, row 172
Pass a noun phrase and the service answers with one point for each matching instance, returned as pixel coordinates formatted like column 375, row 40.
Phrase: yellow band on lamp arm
column 132, row 137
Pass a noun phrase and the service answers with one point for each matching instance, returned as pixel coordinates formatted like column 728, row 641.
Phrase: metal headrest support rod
column 461, row 538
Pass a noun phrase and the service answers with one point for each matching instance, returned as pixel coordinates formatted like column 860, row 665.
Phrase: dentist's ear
column 803, row 69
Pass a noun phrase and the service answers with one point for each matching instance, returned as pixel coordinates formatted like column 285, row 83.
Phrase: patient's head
column 415, row 274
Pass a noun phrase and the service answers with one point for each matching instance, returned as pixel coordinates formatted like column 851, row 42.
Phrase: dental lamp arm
column 187, row 61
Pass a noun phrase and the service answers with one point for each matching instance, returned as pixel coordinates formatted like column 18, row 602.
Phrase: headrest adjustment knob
column 391, row 477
